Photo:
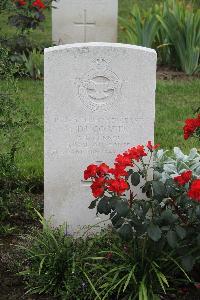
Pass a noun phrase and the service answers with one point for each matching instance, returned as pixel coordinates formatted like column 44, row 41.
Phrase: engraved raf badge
column 99, row 88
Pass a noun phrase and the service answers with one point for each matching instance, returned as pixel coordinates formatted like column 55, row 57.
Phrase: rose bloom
column 183, row 178
column 21, row 2
column 124, row 160
column 117, row 185
column 194, row 190
column 118, row 171
column 137, row 152
column 191, row 125
column 98, row 187
column 38, row 4
column 102, row 169
column 90, row 172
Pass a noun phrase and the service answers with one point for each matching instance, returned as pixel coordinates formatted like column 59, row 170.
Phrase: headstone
column 99, row 101
column 84, row 21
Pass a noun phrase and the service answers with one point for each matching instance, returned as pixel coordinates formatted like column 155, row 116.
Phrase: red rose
column 38, row 4
column 117, row 185
column 118, row 171
column 151, row 147
column 90, row 172
column 103, row 169
column 98, row 187
column 191, row 125
column 137, row 152
column 21, row 2
column 124, row 160
column 183, row 178
column 194, row 191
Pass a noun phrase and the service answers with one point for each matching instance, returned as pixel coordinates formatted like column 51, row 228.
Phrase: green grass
column 30, row 156
column 29, row 98
column 175, row 102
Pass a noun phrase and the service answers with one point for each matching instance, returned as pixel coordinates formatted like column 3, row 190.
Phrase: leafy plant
column 34, row 64
column 141, row 28
column 167, row 167
column 135, row 271
column 28, row 15
column 185, row 36
column 163, row 213
column 54, row 262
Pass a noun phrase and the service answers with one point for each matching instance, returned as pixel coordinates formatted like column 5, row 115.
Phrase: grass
column 175, row 102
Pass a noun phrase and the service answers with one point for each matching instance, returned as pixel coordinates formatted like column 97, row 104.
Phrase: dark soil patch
column 12, row 286
column 165, row 73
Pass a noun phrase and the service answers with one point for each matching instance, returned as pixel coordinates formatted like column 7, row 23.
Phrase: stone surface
column 99, row 101
column 84, row 21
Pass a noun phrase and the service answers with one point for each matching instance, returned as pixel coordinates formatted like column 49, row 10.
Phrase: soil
column 164, row 73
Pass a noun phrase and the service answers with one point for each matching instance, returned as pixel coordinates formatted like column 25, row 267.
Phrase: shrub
column 172, row 28
column 167, row 167
column 135, row 270
column 165, row 215
column 28, row 15
column 185, row 36
column 141, row 28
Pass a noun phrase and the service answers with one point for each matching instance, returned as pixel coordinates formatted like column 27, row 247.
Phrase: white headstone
column 77, row 21
column 99, row 101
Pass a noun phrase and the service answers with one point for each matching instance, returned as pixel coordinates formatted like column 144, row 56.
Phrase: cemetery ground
column 176, row 97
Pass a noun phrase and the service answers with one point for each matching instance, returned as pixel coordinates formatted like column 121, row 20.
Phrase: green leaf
column 154, row 232
column 181, row 232
column 172, row 239
column 198, row 211
column 92, row 204
column 122, row 208
column 113, row 201
column 167, row 217
column 126, row 232
column 103, row 207
column 159, row 190
column 135, row 178
column 198, row 239
column 188, row 262
column 171, row 188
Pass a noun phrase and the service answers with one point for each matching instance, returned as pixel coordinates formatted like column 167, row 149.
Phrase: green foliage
column 141, row 28
column 168, row 166
column 152, row 28
column 164, row 213
column 28, row 17
column 185, row 36
column 134, row 271
column 52, row 263
column 34, row 64
column 7, row 68
column 55, row 263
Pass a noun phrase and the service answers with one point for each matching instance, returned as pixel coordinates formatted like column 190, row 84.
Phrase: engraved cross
column 85, row 24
